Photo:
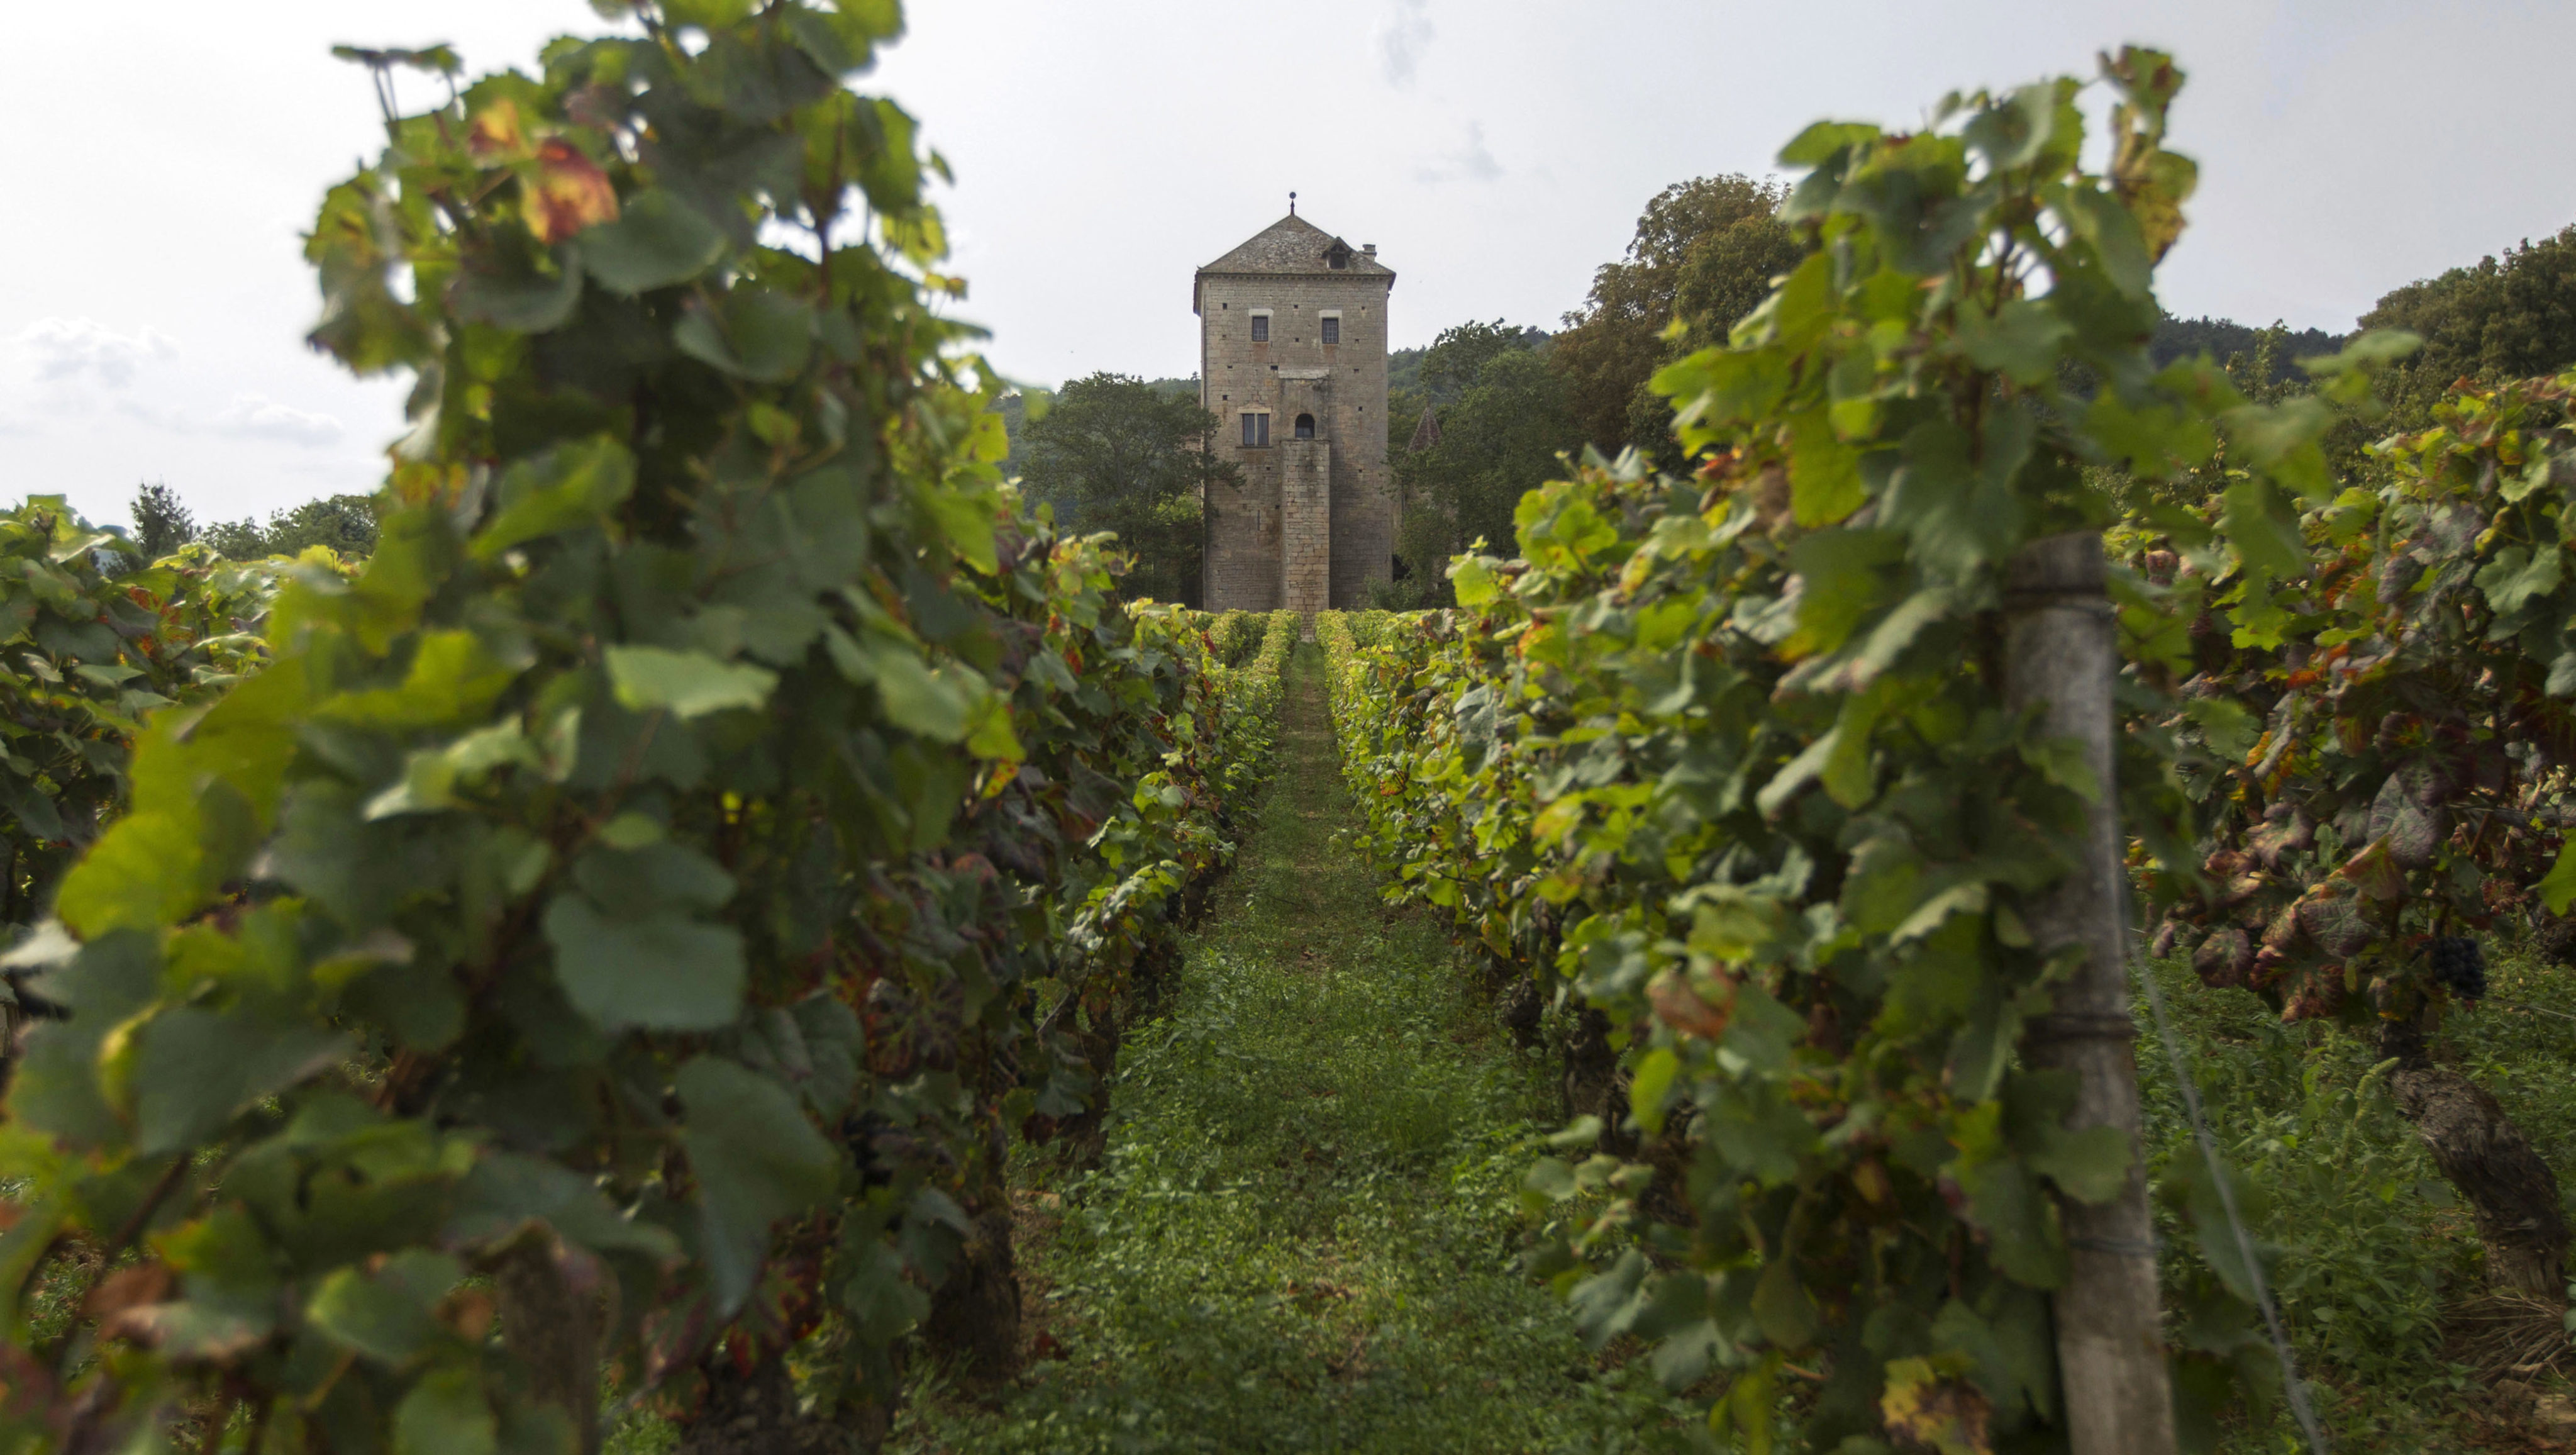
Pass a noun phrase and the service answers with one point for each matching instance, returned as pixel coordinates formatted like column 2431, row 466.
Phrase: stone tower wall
column 1306, row 524
column 1343, row 385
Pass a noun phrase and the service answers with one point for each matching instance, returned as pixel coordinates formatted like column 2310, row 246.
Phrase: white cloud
column 248, row 417
column 1473, row 162
column 251, row 417
column 1402, row 39
column 63, row 350
column 64, row 368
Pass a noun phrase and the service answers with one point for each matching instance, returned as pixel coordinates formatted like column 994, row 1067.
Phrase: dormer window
column 1338, row 256
column 1261, row 325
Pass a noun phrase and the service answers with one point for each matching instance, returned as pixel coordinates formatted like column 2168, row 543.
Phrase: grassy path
column 1301, row 1235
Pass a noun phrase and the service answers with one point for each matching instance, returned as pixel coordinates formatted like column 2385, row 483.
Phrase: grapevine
column 622, row 924
column 1723, row 765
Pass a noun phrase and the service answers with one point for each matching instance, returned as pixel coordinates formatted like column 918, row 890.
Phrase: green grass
column 2369, row 1247
column 1301, row 1236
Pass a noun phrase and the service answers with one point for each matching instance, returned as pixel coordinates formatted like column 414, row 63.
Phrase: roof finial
column 1292, row 204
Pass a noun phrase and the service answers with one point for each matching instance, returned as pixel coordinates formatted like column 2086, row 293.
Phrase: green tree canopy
column 341, row 521
column 2224, row 338
column 1705, row 252
column 2501, row 318
column 1455, row 360
column 1429, row 380
column 161, row 523
column 1115, row 453
column 1503, row 421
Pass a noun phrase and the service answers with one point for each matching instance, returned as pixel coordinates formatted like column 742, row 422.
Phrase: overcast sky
column 163, row 155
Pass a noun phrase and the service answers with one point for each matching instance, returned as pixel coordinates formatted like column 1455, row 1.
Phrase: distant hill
column 1404, row 369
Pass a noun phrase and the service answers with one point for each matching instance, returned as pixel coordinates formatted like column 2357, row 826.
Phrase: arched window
column 1305, row 426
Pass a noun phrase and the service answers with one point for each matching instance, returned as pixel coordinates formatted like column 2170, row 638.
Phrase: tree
column 2224, row 338
column 1422, row 381
column 2507, row 318
column 345, row 523
column 1504, row 420
column 1705, row 252
column 161, row 523
column 1014, row 410
column 1452, row 365
column 1115, row 453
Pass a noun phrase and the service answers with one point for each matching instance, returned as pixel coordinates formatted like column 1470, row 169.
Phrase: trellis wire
column 2300, row 1409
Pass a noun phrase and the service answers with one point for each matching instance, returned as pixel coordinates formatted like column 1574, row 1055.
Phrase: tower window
column 1305, row 426
column 1261, row 328
column 1332, row 329
column 1256, row 429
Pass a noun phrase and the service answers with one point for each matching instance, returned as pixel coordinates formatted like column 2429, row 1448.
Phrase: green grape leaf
column 663, row 972
column 520, row 298
column 656, row 241
column 446, row 1414
column 759, row 336
column 387, row 1315
column 686, row 684
column 1824, row 472
column 941, row 704
column 507, row 1190
column 2020, row 341
column 1649, row 1091
column 565, row 488
column 194, row 1069
column 755, row 1159
column 2090, row 1165
column 1781, row 1308
column 2557, row 889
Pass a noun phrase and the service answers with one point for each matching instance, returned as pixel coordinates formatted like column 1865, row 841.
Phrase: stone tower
column 1292, row 360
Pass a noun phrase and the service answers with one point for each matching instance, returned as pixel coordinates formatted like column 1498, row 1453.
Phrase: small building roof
column 1427, row 433
column 1292, row 245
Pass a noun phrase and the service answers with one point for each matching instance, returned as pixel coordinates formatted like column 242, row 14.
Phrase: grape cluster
column 2459, row 966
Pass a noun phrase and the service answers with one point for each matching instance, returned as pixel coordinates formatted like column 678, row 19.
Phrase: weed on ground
column 2371, row 1254
column 1301, row 1235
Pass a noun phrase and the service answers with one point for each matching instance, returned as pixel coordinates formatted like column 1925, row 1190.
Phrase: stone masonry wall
column 1344, row 386
column 1306, row 526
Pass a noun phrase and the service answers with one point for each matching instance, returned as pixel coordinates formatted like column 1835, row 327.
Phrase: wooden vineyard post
column 2060, row 654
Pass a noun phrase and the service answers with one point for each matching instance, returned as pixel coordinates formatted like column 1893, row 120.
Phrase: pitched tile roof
column 1292, row 245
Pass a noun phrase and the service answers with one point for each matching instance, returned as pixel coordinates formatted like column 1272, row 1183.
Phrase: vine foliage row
column 622, row 924
column 90, row 643
column 1725, row 765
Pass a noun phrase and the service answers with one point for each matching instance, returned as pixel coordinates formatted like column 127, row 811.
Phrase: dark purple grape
column 2459, row 966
